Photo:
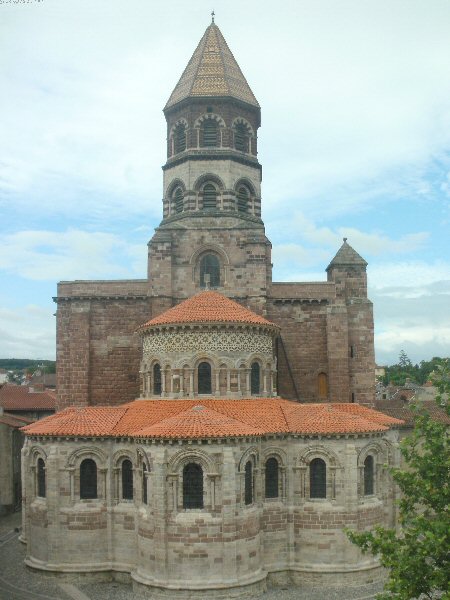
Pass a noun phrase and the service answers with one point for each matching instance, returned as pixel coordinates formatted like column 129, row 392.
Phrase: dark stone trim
column 202, row 214
column 58, row 299
column 204, row 154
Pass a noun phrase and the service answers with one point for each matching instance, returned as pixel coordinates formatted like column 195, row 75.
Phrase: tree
column 403, row 360
column 417, row 556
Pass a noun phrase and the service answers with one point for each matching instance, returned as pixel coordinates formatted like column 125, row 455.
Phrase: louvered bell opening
column 242, row 198
column 178, row 197
column 209, row 197
column 210, row 133
column 180, row 139
column 240, row 138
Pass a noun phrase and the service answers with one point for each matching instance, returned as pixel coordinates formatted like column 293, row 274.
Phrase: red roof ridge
column 208, row 307
column 198, row 421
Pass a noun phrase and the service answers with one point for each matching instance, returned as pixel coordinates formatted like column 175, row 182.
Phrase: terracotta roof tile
column 86, row 422
column 208, row 307
column 14, row 420
column 19, row 397
column 406, row 414
column 184, row 419
column 199, row 422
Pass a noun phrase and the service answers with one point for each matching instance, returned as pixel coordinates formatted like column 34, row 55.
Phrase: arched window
column 255, row 376
column 368, row 476
column 204, row 378
column 243, row 197
column 178, row 200
column 41, row 478
column 248, row 482
column 210, row 133
column 317, row 478
column 179, row 138
column 127, row 480
column 144, row 484
column 241, row 137
column 209, row 197
column 322, row 385
column 192, row 486
column 157, row 380
column 88, row 479
column 272, row 478
column 209, row 271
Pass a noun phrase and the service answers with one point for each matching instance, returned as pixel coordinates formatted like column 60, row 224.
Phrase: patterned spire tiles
column 212, row 71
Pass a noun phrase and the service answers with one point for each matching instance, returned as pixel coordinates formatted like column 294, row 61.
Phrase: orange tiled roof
column 208, row 418
column 19, row 397
column 208, row 307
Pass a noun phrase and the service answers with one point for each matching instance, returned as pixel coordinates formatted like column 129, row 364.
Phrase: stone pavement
column 17, row 582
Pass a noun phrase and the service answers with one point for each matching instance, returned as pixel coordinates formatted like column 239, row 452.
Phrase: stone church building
column 215, row 428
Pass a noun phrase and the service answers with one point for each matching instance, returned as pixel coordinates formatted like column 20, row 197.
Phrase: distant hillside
column 18, row 364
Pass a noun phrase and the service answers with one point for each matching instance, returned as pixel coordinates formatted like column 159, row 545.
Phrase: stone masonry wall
column 227, row 543
column 98, row 350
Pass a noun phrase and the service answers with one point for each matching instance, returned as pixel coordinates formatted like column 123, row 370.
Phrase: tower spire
column 212, row 72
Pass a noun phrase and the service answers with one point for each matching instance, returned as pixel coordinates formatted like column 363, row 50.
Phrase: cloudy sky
column 355, row 142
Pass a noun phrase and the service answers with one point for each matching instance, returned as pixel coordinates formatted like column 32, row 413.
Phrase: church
column 216, row 429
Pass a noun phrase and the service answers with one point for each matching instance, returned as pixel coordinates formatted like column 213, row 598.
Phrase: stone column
column 228, row 382
column 351, row 477
column 181, row 382
column 247, row 381
column 191, row 382
column 217, row 390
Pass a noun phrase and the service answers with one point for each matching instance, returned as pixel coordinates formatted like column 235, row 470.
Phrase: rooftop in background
column 14, row 421
column 208, row 307
column 402, row 410
column 208, row 418
column 212, row 71
column 24, row 398
column 47, row 380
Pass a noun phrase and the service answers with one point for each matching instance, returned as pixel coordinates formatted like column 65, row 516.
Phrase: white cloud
column 356, row 95
column 412, row 310
column 27, row 332
column 73, row 254
column 387, row 277
column 290, row 256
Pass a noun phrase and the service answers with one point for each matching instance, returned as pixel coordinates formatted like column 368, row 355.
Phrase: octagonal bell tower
column 211, row 235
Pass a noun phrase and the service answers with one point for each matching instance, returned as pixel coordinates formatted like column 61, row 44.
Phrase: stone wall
column 226, row 543
column 98, row 349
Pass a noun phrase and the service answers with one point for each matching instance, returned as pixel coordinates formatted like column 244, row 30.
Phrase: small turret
column 348, row 271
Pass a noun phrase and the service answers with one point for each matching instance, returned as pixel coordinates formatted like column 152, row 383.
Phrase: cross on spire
column 213, row 14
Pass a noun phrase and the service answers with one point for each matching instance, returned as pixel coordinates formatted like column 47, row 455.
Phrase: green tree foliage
column 403, row 360
column 418, row 554
column 20, row 364
column 420, row 373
